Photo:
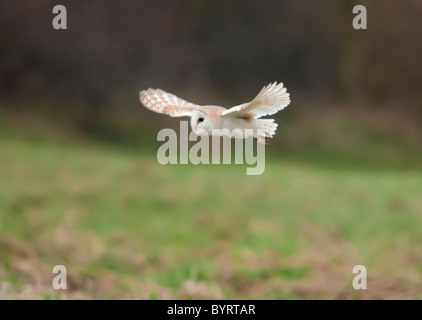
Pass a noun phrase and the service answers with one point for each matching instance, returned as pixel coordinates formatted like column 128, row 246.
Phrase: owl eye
column 200, row 119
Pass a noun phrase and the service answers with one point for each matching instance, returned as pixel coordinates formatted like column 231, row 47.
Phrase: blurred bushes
column 209, row 52
column 207, row 47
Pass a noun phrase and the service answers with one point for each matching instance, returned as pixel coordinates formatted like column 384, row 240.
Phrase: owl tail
column 268, row 127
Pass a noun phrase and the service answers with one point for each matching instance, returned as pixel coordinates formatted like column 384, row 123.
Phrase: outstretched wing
column 272, row 98
column 163, row 102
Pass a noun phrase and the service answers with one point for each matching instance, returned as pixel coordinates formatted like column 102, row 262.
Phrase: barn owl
column 271, row 99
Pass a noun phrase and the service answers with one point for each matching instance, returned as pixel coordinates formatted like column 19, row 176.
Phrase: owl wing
column 272, row 98
column 163, row 102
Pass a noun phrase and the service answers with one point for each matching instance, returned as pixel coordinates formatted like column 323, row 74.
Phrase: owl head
column 199, row 121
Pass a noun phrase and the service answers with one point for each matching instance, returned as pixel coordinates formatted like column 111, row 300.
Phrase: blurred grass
column 127, row 227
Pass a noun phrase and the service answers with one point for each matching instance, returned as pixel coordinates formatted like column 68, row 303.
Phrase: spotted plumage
column 271, row 99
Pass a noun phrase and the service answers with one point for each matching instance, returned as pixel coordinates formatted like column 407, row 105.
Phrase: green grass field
column 125, row 226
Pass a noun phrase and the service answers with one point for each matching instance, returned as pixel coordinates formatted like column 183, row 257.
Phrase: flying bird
column 271, row 99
